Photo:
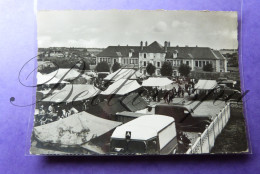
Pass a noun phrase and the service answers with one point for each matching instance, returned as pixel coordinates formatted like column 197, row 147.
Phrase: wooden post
column 218, row 124
column 191, row 148
column 214, row 130
column 222, row 120
column 200, row 143
column 207, row 128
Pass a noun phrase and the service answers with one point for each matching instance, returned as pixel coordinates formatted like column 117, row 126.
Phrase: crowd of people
column 53, row 112
column 49, row 112
column 157, row 94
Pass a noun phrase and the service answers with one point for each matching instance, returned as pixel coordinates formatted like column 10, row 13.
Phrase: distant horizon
column 134, row 45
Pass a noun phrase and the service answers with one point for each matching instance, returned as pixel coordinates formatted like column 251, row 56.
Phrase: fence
column 206, row 140
column 214, row 75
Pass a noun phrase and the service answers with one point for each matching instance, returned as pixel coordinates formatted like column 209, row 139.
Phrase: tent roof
column 144, row 127
column 124, row 74
column 157, row 81
column 48, row 79
column 72, row 74
column 134, row 102
column 121, row 87
column 131, row 103
column 71, row 130
column 206, row 84
column 73, row 92
column 169, row 87
column 130, row 114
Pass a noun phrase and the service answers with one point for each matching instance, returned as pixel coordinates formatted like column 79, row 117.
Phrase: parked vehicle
column 183, row 117
column 149, row 134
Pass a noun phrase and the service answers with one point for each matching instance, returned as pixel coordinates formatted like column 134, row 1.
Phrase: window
column 158, row 72
column 144, row 63
column 114, row 60
column 144, row 55
column 136, row 61
column 109, row 60
column 158, row 64
column 196, row 63
column 187, row 62
column 199, row 63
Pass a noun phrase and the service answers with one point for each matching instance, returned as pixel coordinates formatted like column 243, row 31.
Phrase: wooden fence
column 206, row 140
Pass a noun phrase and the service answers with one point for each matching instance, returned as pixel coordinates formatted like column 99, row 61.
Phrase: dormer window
column 175, row 54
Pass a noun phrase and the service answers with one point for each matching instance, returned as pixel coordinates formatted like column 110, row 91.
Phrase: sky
column 99, row 29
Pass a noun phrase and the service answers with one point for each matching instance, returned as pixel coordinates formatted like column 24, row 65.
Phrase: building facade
column 139, row 57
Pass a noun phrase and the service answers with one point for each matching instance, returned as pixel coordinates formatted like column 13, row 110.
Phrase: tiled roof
column 118, row 51
column 218, row 54
column 123, row 51
column 191, row 52
column 154, row 47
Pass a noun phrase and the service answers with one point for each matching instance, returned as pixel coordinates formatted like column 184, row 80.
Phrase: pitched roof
column 73, row 92
column 123, row 51
column 191, row 52
column 118, row 51
column 218, row 55
column 154, row 47
column 73, row 128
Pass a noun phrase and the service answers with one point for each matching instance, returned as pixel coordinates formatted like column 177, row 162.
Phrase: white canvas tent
column 74, row 92
column 157, row 82
column 170, row 86
column 60, row 73
column 74, row 130
column 121, row 87
column 48, row 79
column 206, row 84
column 130, row 74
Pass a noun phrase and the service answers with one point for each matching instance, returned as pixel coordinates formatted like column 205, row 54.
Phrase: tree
column 150, row 69
column 184, row 70
column 102, row 67
column 208, row 67
column 116, row 66
column 166, row 69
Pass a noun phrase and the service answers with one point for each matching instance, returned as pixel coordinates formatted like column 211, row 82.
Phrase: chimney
column 141, row 45
column 146, row 43
column 169, row 44
column 165, row 46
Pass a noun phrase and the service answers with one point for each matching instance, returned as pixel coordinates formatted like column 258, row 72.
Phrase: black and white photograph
column 138, row 82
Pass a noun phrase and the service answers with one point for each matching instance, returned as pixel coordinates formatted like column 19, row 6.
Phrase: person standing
column 51, row 109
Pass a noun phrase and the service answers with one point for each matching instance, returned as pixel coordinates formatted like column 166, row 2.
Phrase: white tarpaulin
column 130, row 74
column 121, row 87
column 71, row 74
column 74, row 130
column 170, row 86
column 47, row 79
column 157, row 81
column 206, row 84
column 75, row 92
